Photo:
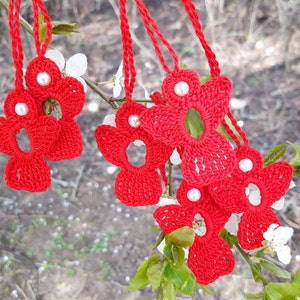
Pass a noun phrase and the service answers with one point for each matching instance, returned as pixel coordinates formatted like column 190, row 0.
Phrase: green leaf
column 42, row 28
column 297, row 277
column 183, row 237
column 141, row 279
column 275, row 154
column 256, row 296
column 194, row 123
column 204, row 79
column 177, row 276
column 169, row 291
column 155, row 272
column 189, row 286
column 229, row 238
column 274, row 269
column 159, row 240
column 256, row 272
column 66, row 29
column 178, row 256
column 282, row 291
column 295, row 161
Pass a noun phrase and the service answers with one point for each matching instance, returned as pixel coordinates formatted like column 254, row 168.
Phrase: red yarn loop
column 210, row 55
column 128, row 54
column 16, row 43
column 152, row 29
column 41, row 47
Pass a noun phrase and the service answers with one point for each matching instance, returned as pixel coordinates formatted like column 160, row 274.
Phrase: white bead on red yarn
column 181, row 88
column 21, row 109
column 246, row 165
column 134, row 121
column 193, row 195
column 43, row 78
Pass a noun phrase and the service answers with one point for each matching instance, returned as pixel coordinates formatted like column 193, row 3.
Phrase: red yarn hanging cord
column 16, row 43
column 41, row 47
column 128, row 54
column 238, row 129
column 210, row 55
column 152, row 29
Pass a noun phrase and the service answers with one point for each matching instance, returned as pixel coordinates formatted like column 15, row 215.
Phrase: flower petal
column 282, row 235
column 175, row 158
column 269, row 234
column 284, row 254
column 207, row 267
column 76, row 65
column 278, row 205
column 110, row 120
column 57, row 57
column 252, row 226
column 138, row 188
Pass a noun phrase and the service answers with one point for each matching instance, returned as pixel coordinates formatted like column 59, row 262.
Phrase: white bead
column 134, row 121
column 193, row 195
column 246, row 165
column 43, row 78
column 181, row 88
column 21, row 109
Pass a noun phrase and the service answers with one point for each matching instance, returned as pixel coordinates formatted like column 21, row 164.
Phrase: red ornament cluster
column 49, row 138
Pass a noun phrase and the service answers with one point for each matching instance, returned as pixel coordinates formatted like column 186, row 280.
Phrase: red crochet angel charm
column 252, row 189
column 44, row 81
column 26, row 170
column 209, row 156
column 209, row 257
column 134, row 186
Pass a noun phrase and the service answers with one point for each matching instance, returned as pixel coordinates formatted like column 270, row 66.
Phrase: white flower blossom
column 110, row 120
column 175, row 158
column 277, row 237
column 278, row 205
column 118, row 81
column 167, row 201
column 74, row 67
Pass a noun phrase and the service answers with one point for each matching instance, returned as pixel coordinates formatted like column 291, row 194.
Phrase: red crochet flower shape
column 26, row 170
column 44, row 81
column 134, row 186
column 267, row 185
column 209, row 256
column 209, row 157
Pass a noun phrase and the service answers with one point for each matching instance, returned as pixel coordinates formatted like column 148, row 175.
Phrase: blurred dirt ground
column 77, row 241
